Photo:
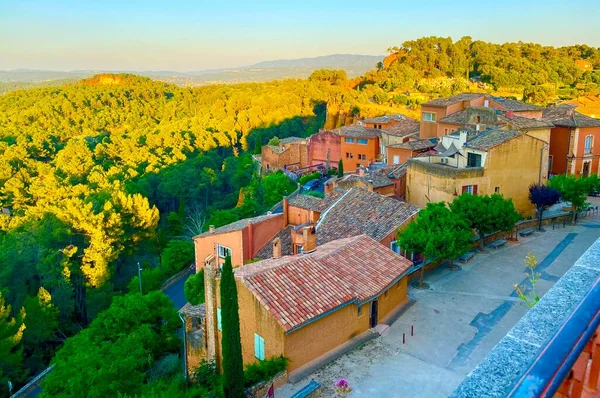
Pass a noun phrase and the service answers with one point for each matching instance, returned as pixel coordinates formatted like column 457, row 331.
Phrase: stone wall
column 261, row 389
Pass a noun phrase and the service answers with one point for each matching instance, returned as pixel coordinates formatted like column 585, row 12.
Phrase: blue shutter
column 219, row 318
column 259, row 347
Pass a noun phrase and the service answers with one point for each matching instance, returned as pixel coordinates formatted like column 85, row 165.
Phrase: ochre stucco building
column 493, row 161
column 303, row 306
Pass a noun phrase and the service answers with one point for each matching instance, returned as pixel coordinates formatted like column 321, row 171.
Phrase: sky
column 197, row 35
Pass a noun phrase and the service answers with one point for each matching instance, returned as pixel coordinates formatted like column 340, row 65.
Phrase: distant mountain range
column 354, row 65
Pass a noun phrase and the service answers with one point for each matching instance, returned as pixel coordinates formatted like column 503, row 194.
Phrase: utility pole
column 140, row 276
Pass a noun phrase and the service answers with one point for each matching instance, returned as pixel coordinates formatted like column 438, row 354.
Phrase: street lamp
column 140, row 276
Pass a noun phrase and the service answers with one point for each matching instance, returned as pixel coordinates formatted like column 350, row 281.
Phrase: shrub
column 152, row 279
column 306, row 178
column 177, row 255
column 264, row 370
column 205, row 373
column 194, row 288
column 164, row 367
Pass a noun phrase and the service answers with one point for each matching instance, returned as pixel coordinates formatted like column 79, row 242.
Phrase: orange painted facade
column 401, row 155
column 312, row 340
column 355, row 154
column 575, row 150
column 242, row 244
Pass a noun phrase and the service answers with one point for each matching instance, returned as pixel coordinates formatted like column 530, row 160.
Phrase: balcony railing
column 554, row 350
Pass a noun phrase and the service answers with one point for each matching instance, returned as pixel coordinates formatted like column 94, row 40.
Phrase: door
column 373, row 313
column 586, row 169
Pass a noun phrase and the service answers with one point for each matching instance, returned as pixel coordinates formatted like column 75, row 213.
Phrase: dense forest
column 98, row 175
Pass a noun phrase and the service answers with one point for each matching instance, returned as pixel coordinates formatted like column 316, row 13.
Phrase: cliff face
column 390, row 59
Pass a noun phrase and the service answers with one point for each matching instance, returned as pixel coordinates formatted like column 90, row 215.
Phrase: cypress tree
column 340, row 169
column 233, row 367
column 257, row 146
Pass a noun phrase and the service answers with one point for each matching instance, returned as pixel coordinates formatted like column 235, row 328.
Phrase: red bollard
column 403, row 338
column 412, row 330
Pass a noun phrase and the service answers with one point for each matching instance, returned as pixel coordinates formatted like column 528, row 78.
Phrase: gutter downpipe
column 546, row 146
column 185, row 370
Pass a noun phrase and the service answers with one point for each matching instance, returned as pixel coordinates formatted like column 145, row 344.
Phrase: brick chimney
column 210, row 297
column 211, row 228
column 510, row 114
column 276, row 248
column 285, row 212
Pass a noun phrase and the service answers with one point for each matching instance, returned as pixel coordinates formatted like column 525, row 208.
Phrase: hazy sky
column 201, row 34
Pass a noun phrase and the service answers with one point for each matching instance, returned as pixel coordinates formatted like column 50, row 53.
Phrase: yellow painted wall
column 511, row 167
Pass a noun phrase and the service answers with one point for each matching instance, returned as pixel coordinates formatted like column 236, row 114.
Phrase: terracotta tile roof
column 291, row 140
column 469, row 117
column 384, row 119
column 196, row 311
column 357, row 132
column 363, row 212
column 514, row 105
column 313, row 203
column 285, row 235
column 238, row 225
column 403, row 128
column 524, row 123
column 444, row 102
column 416, row 145
column 566, row 116
column 297, row 289
column 491, row 138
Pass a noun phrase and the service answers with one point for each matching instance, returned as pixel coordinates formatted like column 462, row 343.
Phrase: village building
column 305, row 305
column 403, row 131
column 240, row 239
column 400, row 153
column 438, row 116
column 386, row 181
column 342, row 214
column 290, row 154
column 573, row 141
column 359, row 146
column 325, row 148
column 478, row 162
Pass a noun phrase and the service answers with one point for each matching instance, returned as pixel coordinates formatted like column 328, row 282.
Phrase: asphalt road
column 175, row 290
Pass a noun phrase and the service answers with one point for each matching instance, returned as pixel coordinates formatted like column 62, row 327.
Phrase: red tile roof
column 297, row 289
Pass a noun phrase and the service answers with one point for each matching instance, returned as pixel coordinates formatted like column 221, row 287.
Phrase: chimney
column 370, row 185
column 285, row 212
column 250, row 240
column 510, row 114
column 276, row 248
column 211, row 228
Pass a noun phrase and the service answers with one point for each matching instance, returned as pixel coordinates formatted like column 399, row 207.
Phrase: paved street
column 456, row 322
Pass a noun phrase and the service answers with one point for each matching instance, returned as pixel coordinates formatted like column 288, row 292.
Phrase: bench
column 307, row 390
column 527, row 232
column 498, row 243
column 465, row 258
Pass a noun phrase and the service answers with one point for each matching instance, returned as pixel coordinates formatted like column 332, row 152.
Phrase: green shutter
column 259, row 347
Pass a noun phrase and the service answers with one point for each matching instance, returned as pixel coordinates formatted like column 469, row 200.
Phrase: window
column 497, row 190
column 472, row 189
column 362, row 141
column 445, row 131
column 349, row 155
column 349, row 140
column 395, row 247
column 223, row 251
column 219, row 318
column 478, row 119
column 359, row 310
column 429, row 116
column 588, row 144
column 473, row 160
column 362, row 157
column 259, row 347
column 396, row 159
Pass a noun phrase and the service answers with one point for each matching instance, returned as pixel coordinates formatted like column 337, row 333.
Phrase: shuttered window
column 219, row 318
column 259, row 347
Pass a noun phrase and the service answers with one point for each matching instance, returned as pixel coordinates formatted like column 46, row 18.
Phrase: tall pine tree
column 233, row 367
column 340, row 169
